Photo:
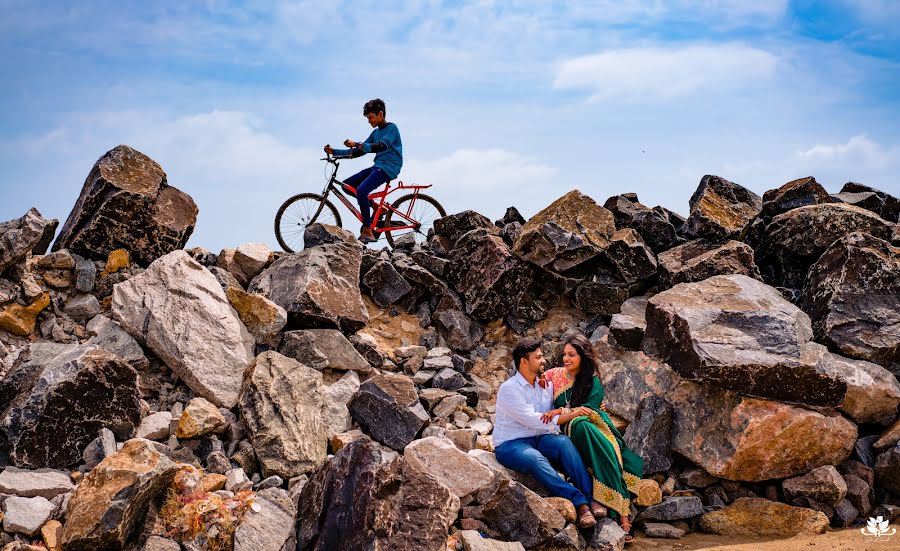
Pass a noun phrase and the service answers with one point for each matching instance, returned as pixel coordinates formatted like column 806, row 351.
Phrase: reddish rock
column 720, row 209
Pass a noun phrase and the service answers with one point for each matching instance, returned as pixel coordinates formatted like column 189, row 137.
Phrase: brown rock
column 199, row 418
column 720, row 209
column 628, row 326
column 518, row 514
column 20, row 320
column 801, row 192
column 753, row 517
column 262, row 317
column 461, row 474
column 889, row 437
column 116, row 260
column 31, row 233
column 701, row 258
column 564, row 507
column 51, row 533
column 647, row 493
column 823, row 484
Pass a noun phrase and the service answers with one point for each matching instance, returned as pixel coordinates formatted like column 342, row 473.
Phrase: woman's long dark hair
column 584, row 380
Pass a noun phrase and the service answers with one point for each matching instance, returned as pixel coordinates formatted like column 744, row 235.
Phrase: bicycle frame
column 333, row 187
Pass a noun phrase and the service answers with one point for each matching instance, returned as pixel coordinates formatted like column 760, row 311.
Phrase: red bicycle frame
column 382, row 205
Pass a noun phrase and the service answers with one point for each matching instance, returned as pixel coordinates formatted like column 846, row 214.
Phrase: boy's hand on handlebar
column 350, row 143
column 329, row 150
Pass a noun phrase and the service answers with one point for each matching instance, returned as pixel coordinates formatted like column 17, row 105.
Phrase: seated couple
column 590, row 452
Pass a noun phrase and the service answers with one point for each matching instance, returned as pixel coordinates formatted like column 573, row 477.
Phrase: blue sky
column 499, row 103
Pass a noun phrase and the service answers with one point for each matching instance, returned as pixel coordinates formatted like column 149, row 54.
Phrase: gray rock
column 82, row 307
column 461, row 332
column 158, row 543
column 879, row 202
column 662, row 530
column 269, row 528
column 252, row 258
column 218, row 463
column 85, row 275
column 607, row 536
column 385, row 284
column 844, row 514
column 629, row 325
column 46, row 483
column 323, row 349
column 335, row 398
column 859, row 494
column 155, row 426
column 448, row 379
column 437, row 363
column 25, row 515
column 472, row 540
column 823, row 484
column 673, row 508
column 273, row 481
column 633, row 259
column 237, row 481
column 518, row 514
column 387, row 408
column 31, row 233
column 650, row 434
column 110, row 336
column 702, row 258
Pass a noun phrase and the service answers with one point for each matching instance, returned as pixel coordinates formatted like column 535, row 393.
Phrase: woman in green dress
column 616, row 470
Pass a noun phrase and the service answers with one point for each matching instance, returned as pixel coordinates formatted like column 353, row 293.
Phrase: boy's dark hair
column 523, row 348
column 374, row 106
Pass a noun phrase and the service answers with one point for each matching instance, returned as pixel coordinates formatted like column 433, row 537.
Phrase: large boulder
column 387, row 408
column 318, row 286
column 801, row 192
column 113, row 498
column 567, row 234
column 126, row 203
column 720, row 209
column 461, row 473
column 49, row 403
column 455, row 226
column 281, row 407
column 628, row 326
column 323, row 349
column 32, row 233
column 754, row 517
column 176, row 293
column 46, row 483
column 518, row 514
column 633, row 259
column 386, row 285
column 654, row 225
column 884, row 205
column 887, row 470
column 269, row 528
column 650, row 434
column 701, row 258
column 852, row 295
column 797, row 238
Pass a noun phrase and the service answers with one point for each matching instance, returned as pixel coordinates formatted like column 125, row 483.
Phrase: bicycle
column 398, row 218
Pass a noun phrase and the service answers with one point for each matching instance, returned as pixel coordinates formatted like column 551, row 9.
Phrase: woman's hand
column 548, row 416
column 583, row 410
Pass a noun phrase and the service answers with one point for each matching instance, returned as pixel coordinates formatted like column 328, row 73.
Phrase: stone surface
column 461, row 474
column 82, row 307
column 633, row 259
column 112, row 499
column 823, row 484
column 518, row 514
column 46, row 483
column 472, row 540
column 85, row 275
column 176, row 292
column 455, row 226
column 569, row 232
column 852, row 295
column 155, row 426
column 282, row 409
column 387, row 408
column 158, row 543
column 110, row 336
column 702, row 258
column 795, row 240
column 607, row 536
column 879, row 202
column 252, row 258
column 20, row 320
column 460, row 331
column 126, row 202
column 385, row 284
column 318, row 286
column 269, row 528
column 199, row 418
column 662, row 530
column 650, row 434
column 262, row 317
column 888, row 438
column 754, row 517
column 673, row 508
column 654, row 225
column 801, row 192
column 628, row 326
column 887, row 470
column 720, row 209
column 25, row 515
column 323, row 349
column 236, row 480
column 49, row 400
column 335, row 398
column 32, row 233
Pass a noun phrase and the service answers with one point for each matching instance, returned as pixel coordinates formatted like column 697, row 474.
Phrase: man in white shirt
column 524, row 443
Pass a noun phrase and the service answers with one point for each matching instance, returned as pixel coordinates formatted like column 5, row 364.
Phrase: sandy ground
column 839, row 540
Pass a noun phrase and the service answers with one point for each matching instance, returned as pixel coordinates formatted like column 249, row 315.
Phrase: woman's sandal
column 629, row 532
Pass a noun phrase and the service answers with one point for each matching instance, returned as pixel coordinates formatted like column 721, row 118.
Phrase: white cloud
column 859, row 151
column 658, row 72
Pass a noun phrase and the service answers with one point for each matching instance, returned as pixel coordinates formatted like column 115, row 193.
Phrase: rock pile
column 342, row 397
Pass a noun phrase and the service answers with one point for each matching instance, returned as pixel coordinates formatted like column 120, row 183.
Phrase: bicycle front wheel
column 297, row 213
column 425, row 210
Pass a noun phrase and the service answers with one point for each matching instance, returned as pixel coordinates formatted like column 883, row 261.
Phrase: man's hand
column 548, row 416
column 329, row 150
column 350, row 143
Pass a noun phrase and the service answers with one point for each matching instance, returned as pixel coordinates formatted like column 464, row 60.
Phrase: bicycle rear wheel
column 425, row 211
column 297, row 213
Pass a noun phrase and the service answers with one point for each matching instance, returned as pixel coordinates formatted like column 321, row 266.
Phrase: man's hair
column 523, row 348
column 374, row 106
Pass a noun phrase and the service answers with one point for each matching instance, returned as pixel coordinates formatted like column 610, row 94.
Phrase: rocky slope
column 340, row 397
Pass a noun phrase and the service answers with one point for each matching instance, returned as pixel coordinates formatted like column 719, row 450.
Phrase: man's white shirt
column 519, row 409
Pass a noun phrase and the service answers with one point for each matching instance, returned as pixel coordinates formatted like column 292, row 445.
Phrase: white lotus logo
column 877, row 527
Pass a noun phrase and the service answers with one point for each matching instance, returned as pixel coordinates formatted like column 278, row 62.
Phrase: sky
column 499, row 103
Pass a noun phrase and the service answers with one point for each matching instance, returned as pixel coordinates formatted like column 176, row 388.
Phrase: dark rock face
column 796, row 239
column 633, row 259
column 879, row 202
column 628, row 326
column 887, row 470
column 739, row 334
column 387, row 407
column 511, row 216
column 518, row 514
column 653, row 225
column 701, row 258
column 318, row 286
column 32, row 233
column 720, row 209
column 49, row 403
column 323, row 349
column 454, row 226
column 386, row 285
column 601, row 295
column 650, row 434
column 674, row 508
column 126, row 203
column 801, row 192
column 852, row 296
column 461, row 332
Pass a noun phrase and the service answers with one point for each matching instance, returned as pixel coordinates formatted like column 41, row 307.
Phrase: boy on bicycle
column 385, row 143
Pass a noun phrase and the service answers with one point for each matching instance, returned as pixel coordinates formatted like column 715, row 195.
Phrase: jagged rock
column 57, row 279
column 459, row 330
column 82, row 307
column 844, row 514
column 889, row 437
column 262, row 317
column 252, row 258
column 236, row 480
column 601, row 295
column 796, row 239
column 46, row 483
column 823, row 484
column 571, row 231
column 753, row 517
column 155, row 426
column 387, row 286
column 318, row 286
column 852, row 295
column 85, row 275
column 449, row 405
column 32, row 233
column 225, row 261
column 448, row 379
column 801, row 192
column 175, row 293
column 367, row 347
column 628, row 326
column 111, row 500
column 25, row 515
column 269, row 528
column 454, row 226
column 387, row 408
column 110, row 336
column 281, row 407
column 859, row 494
column 673, row 508
column 632, row 258
column 650, row 434
column 741, row 438
column 199, row 418
column 127, row 203
column 59, row 260
column 702, row 258
column 472, row 540
column 462, row 474
column 879, row 202
column 335, row 398
column 225, row 278
column 323, row 349
column 740, row 334
column 518, row 514
column 158, row 543
column 49, row 400
column 653, row 225
column 20, row 320
column 887, row 470
column 607, row 536
column 720, row 209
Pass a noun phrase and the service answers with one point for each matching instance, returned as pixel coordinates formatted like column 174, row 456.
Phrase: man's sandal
column 586, row 519
column 599, row 511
